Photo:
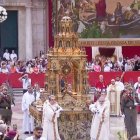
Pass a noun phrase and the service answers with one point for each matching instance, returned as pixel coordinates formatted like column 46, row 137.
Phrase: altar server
column 51, row 111
column 28, row 120
column 100, row 121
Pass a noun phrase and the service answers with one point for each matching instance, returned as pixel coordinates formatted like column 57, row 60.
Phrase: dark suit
column 128, row 108
column 5, row 108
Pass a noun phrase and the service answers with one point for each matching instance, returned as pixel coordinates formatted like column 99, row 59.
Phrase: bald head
column 101, row 78
column 112, row 81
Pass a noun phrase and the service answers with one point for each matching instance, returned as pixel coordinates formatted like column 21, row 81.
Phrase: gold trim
column 109, row 42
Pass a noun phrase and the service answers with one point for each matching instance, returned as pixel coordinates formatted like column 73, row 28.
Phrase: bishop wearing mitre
column 114, row 96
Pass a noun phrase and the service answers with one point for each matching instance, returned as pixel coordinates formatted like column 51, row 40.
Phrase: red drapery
column 92, row 78
column 89, row 53
column 130, row 51
column 15, row 83
column 101, row 9
column 108, row 52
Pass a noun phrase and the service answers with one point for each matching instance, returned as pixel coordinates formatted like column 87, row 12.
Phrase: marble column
column 95, row 51
column 58, row 4
column 118, row 51
column 29, row 47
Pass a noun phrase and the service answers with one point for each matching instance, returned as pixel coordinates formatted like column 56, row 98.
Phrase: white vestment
column 26, row 83
column 114, row 98
column 28, row 121
column 12, row 56
column 97, row 128
column 138, row 92
column 37, row 95
column 50, row 127
column 6, row 55
column 136, row 85
column 120, row 85
column 32, row 138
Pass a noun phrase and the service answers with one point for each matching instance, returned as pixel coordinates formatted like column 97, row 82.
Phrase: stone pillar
column 118, row 51
column 59, row 4
column 95, row 51
column 29, row 47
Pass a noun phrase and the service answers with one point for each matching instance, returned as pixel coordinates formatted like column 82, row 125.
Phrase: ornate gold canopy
column 67, row 60
column 66, row 78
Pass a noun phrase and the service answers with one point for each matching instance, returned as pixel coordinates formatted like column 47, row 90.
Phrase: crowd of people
column 115, row 99
column 123, row 101
column 51, row 111
column 32, row 93
column 6, row 102
column 105, row 64
column 11, row 64
column 12, row 134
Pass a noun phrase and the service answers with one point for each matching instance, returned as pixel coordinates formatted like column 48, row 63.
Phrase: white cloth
column 6, row 55
column 120, row 85
column 98, row 109
column 73, row 2
column 136, row 85
column 48, row 125
column 81, row 27
column 118, row 51
column 32, row 138
column 138, row 92
column 26, row 82
column 4, row 70
column 120, row 63
column 37, row 95
column 128, row 67
column 113, row 94
column 28, row 120
column 107, row 68
column 95, row 51
column 12, row 56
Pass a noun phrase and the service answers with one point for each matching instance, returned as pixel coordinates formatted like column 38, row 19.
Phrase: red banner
column 93, row 77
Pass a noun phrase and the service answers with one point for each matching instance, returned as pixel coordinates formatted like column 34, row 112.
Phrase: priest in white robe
column 51, row 111
column 119, row 84
column 28, row 121
column 113, row 94
column 100, row 123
